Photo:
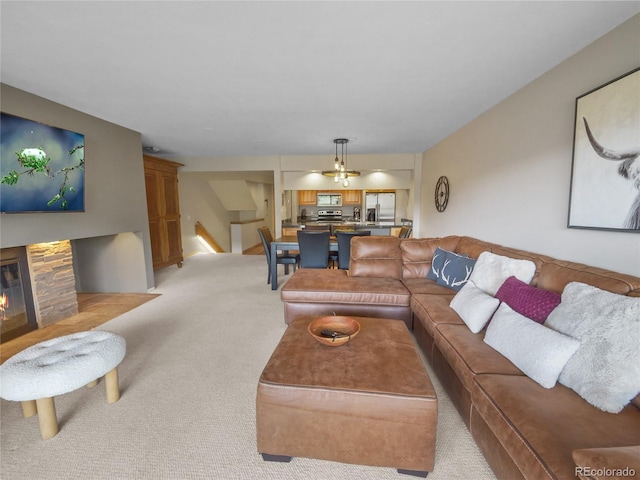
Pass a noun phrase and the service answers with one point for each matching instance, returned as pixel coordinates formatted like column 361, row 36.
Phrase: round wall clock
column 442, row 193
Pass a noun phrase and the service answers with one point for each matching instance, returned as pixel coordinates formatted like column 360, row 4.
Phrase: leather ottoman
column 369, row 402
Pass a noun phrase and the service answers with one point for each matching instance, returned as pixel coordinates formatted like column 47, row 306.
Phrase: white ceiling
column 212, row 79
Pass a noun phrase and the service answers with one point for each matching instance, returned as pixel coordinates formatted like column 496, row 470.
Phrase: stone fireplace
column 53, row 281
column 41, row 277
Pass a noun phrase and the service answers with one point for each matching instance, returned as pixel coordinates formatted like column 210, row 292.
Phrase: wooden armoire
column 163, row 206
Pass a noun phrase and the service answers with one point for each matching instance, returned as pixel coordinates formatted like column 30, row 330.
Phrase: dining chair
column 333, row 255
column 314, row 249
column 405, row 232
column 283, row 258
column 344, row 246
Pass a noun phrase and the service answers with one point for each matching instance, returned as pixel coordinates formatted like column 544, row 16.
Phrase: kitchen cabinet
column 351, row 197
column 163, row 207
column 307, row 197
column 286, row 231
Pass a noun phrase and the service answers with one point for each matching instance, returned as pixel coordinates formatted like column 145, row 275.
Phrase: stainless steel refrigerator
column 380, row 207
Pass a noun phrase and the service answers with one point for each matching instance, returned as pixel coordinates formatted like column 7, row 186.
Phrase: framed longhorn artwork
column 605, row 174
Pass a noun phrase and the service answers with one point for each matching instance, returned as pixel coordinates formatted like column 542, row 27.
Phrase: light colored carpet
column 188, row 384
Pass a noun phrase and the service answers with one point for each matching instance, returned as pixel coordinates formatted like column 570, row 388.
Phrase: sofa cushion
column 474, row 306
column 437, row 262
column 605, row 370
column 376, row 256
column 424, row 285
column 468, row 355
column 455, row 270
column 335, row 286
column 534, row 303
column 492, row 270
column 536, row 258
column 556, row 274
column 540, row 428
column 450, row 269
column 432, row 310
column 417, row 254
column 541, row 353
column 472, row 247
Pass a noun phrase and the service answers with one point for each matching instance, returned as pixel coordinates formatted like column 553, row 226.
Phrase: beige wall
column 115, row 199
column 198, row 203
column 510, row 169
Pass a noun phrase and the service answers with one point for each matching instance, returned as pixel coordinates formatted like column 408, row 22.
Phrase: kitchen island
column 376, row 228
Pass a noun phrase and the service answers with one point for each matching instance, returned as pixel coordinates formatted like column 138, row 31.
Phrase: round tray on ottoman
column 334, row 330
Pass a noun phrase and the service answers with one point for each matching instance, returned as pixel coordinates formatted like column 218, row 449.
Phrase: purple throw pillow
column 534, row 303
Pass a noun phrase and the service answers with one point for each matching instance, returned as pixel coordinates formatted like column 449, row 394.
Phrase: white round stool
column 61, row 365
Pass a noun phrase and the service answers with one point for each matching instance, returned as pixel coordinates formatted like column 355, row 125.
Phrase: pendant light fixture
column 341, row 172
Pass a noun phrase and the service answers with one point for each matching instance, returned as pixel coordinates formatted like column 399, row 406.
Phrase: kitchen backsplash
column 312, row 212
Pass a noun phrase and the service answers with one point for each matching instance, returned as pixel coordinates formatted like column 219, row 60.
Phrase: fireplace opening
column 17, row 310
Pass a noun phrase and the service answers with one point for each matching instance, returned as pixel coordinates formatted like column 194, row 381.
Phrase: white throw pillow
column 491, row 270
column 474, row 306
column 541, row 353
column 605, row 370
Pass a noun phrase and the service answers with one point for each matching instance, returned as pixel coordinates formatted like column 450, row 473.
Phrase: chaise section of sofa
column 309, row 292
column 372, row 287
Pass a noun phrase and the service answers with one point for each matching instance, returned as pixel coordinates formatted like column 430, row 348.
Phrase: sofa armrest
column 607, row 463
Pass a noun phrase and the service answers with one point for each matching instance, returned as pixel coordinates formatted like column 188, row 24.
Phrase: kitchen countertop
column 343, row 223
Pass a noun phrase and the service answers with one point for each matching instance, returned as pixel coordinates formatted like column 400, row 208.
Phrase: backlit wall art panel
column 41, row 167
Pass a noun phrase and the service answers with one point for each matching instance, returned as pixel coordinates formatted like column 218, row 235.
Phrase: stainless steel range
column 329, row 216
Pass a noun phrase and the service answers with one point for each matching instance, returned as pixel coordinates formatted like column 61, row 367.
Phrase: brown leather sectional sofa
column 523, row 429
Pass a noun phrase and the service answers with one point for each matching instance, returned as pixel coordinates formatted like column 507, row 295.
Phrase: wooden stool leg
column 29, row 408
column 47, row 417
column 111, row 384
column 92, row 384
